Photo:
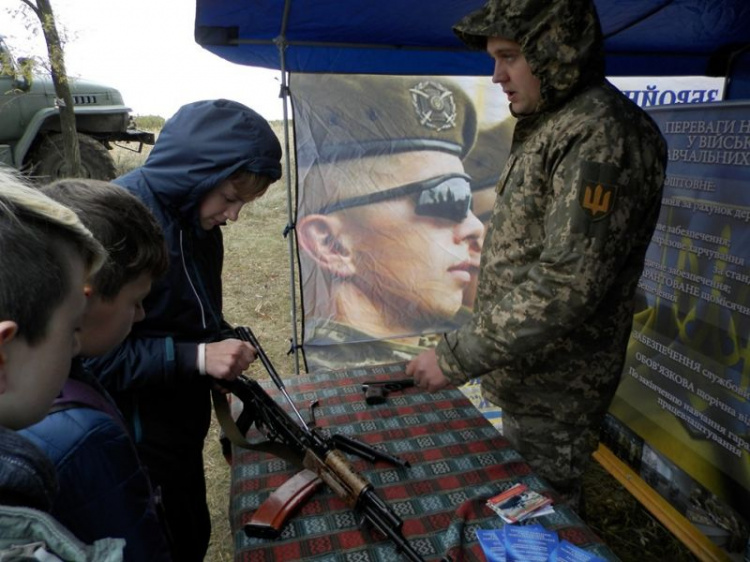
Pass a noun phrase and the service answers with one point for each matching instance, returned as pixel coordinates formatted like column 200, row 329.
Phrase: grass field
column 257, row 293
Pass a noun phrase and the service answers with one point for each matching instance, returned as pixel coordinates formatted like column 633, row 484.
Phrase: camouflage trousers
column 558, row 452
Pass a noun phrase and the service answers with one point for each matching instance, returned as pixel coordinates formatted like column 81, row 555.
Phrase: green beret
column 345, row 117
column 486, row 159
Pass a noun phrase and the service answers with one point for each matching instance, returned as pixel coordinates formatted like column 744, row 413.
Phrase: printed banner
column 685, row 385
column 395, row 176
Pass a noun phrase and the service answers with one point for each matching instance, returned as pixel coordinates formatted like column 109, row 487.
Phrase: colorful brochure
column 518, row 503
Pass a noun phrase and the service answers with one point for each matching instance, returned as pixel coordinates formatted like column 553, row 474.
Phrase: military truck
column 30, row 137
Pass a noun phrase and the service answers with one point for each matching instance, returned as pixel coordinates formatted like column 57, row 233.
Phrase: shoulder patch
column 596, row 196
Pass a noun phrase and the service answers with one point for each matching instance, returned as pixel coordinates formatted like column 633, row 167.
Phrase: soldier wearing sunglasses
column 387, row 237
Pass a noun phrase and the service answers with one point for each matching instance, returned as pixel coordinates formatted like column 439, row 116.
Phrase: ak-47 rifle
column 318, row 454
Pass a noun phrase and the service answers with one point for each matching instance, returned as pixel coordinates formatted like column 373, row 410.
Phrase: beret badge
column 434, row 104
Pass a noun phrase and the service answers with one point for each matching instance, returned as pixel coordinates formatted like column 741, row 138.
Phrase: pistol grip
column 375, row 394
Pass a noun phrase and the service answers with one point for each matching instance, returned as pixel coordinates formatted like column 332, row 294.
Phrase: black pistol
column 376, row 391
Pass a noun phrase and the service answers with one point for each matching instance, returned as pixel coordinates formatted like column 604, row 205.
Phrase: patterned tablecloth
column 458, row 459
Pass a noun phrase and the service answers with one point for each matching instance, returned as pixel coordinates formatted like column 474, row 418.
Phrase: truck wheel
column 48, row 159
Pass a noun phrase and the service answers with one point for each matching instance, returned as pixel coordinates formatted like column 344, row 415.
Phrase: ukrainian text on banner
column 685, row 385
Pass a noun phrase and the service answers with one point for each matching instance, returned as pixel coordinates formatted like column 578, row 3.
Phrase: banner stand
column 661, row 509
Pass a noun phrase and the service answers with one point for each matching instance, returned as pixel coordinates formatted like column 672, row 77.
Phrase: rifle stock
column 318, row 455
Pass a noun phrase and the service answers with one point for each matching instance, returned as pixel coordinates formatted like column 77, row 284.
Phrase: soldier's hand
column 228, row 359
column 426, row 372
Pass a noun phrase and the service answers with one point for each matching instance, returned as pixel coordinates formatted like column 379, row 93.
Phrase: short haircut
column 258, row 184
column 34, row 273
column 123, row 225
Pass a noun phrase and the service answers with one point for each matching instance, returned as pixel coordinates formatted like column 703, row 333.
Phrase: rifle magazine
column 268, row 520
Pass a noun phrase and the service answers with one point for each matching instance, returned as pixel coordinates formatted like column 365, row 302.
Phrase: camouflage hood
column 561, row 40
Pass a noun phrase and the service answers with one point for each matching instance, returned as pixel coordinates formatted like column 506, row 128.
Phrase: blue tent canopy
column 643, row 37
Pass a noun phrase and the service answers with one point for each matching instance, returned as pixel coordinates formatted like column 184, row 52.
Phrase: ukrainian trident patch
column 597, row 200
column 596, row 197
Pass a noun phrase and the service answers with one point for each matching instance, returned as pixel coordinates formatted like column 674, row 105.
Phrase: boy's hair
column 34, row 274
column 258, row 183
column 122, row 224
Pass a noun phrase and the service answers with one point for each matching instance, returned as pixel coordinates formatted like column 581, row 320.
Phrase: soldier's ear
column 321, row 237
column 8, row 331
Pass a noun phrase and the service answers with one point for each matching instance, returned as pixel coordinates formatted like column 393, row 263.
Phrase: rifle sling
column 233, row 433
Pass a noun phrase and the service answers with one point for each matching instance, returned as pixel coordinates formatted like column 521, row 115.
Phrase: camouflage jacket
column 577, row 204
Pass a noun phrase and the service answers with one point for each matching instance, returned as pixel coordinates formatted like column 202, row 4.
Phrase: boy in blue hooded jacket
column 211, row 158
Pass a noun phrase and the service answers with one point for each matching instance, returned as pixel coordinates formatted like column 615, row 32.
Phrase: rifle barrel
column 384, row 520
column 246, row 334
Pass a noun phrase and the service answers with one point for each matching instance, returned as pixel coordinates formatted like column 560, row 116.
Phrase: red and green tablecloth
column 458, row 460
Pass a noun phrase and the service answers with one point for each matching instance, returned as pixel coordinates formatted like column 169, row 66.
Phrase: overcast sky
column 145, row 49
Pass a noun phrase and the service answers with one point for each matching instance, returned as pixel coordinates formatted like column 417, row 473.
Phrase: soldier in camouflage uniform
column 577, row 203
column 386, row 234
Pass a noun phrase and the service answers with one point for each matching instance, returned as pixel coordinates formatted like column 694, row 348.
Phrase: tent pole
column 289, row 230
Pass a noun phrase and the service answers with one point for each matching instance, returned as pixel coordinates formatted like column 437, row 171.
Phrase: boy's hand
column 228, row 359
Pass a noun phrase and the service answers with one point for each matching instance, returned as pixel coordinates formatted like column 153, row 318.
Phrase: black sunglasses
column 445, row 197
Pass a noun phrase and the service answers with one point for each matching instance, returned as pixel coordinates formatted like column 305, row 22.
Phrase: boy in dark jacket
column 104, row 490
column 46, row 256
column 210, row 159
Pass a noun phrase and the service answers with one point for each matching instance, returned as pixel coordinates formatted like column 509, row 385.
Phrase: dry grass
column 627, row 528
column 127, row 156
column 257, row 294
column 221, row 547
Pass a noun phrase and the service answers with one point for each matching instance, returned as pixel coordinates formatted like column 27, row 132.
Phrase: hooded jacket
column 576, row 206
column 153, row 375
